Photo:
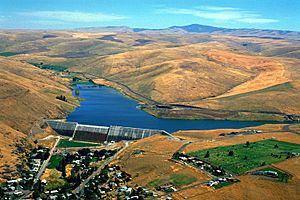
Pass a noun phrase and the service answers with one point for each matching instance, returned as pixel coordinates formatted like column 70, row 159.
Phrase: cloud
column 73, row 16
column 221, row 14
column 257, row 20
column 217, row 8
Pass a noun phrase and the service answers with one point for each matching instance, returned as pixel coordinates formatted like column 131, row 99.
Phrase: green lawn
column 64, row 143
column 245, row 157
column 7, row 53
column 54, row 161
column 55, row 184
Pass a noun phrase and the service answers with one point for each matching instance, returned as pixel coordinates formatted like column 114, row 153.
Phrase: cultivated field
column 149, row 161
column 248, row 156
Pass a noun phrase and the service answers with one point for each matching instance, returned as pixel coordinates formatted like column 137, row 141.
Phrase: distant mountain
column 241, row 32
column 197, row 28
column 106, row 29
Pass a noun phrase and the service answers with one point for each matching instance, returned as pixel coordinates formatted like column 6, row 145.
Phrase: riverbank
column 178, row 111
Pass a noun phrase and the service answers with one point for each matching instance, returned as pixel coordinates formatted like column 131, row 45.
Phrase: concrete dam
column 100, row 134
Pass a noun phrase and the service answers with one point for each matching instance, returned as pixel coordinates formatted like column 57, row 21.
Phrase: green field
column 7, row 53
column 182, row 179
column 224, row 184
column 246, row 157
column 54, row 161
column 65, row 143
column 50, row 67
column 175, row 179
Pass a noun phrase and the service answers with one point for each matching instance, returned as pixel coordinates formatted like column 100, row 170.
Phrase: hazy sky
column 267, row 14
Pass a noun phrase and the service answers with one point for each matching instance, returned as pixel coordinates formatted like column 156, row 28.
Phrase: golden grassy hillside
column 208, row 75
column 27, row 94
column 224, row 72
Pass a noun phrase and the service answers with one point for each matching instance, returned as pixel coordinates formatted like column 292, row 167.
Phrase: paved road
column 42, row 169
column 184, row 146
column 45, row 163
column 98, row 171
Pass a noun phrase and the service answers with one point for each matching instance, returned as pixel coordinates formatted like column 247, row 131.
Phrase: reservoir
column 105, row 106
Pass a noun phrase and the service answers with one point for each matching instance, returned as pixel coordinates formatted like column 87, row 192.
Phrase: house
column 53, row 197
column 44, row 181
column 35, row 169
column 183, row 158
column 212, row 183
column 11, row 188
column 271, row 173
column 11, row 182
column 18, row 193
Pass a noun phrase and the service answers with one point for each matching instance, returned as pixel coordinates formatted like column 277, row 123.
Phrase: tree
column 276, row 146
column 63, row 173
column 207, row 155
column 247, row 144
column 230, row 153
column 36, row 194
column 1, row 192
column 78, row 180
column 46, row 155
column 62, row 98
column 77, row 92
column 246, row 157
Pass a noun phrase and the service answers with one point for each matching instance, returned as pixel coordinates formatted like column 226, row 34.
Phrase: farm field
column 244, row 157
column 65, row 143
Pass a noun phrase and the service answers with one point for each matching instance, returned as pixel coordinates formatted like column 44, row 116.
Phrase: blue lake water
column 105, row 106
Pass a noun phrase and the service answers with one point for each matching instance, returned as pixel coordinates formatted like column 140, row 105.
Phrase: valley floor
column 150, row 163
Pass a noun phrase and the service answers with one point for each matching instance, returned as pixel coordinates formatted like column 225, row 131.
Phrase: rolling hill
column 27, row 94
column 250, row 73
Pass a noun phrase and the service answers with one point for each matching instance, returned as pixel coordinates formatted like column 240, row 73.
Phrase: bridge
column 96, row 134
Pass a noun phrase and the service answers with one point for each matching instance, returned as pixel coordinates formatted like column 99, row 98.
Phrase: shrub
column 230, row 153
column 206, row 155
column 62, row 98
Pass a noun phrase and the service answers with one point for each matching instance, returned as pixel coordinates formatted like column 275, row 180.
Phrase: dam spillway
column 100, row 134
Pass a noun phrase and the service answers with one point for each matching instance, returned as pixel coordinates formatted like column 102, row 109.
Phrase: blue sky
column 60, row 14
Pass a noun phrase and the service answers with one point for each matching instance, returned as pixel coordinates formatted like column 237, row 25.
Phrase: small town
column 86, row 173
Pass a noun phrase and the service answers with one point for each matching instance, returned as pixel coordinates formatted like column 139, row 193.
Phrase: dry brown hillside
column 208, row 75
column 27, row 94
column 248, row 75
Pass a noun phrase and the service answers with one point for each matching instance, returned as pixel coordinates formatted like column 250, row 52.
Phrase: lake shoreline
column 186, row 112
column 106, row 106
